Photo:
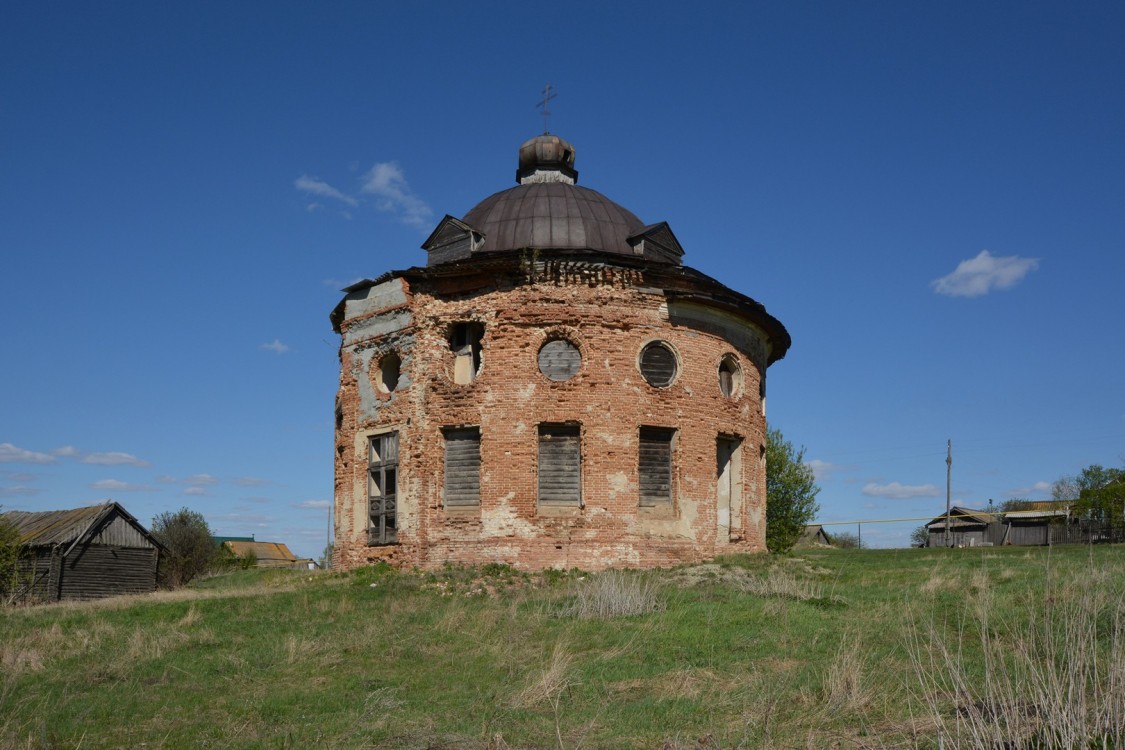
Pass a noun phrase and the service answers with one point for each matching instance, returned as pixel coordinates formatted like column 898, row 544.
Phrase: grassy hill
column 826, row 648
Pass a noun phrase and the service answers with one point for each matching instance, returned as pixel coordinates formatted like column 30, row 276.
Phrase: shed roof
column 961, row 516
column 1030, row 515
column 268, row 554
column 70, row 527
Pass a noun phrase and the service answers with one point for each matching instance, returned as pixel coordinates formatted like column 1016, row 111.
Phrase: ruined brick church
column 554, row 388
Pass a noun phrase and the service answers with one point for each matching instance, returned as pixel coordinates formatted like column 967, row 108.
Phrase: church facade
column 554, row 388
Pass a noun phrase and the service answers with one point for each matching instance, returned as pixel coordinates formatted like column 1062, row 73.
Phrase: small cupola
column 546, row 158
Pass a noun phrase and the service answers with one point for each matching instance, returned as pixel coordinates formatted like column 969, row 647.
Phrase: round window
column 559, row 360
column 730, row 376
column 658, row 364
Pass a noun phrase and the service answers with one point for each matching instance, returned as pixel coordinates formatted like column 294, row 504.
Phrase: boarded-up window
column 382, row 489
column 462, row 467
column 655, row 466
column 658, row 364
column 559, row 360
column 560, row 464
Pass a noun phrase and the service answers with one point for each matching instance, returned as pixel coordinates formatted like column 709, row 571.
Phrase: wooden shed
column 967, row 528
column 814, row 535
column 84, row 553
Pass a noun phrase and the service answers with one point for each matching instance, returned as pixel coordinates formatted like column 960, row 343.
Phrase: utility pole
column 948, row 476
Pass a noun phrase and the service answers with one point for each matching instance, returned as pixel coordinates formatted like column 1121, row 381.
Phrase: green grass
column 825, row 648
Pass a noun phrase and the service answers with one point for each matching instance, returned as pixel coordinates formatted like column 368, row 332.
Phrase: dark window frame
column 382, row 489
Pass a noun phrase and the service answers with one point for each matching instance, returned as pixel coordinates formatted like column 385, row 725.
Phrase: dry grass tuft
column 845, row 687
column 549, row 683
column 782, row 584
column 614, row 593
column 1051, row 682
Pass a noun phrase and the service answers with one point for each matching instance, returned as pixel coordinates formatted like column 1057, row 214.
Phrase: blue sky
column 931, row 197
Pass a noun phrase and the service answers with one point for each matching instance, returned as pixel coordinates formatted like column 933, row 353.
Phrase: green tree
column 790, row 493
column 10, row 550
column 190, row 548
column 1101, row 496
column 920, row 537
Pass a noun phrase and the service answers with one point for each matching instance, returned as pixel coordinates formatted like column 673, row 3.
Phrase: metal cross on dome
column 548, row 95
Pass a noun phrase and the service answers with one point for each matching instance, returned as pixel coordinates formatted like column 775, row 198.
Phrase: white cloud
column 196, row 491
column 115, row 485
column 1033, row 489
column 114, row 458
column 900, row 491
column 313, row 186
column 821, row 469
column 314, row 504
column 388, row 184
column 982, row 274
column 275, row 346
column 18, row 491
column 13, row 454
column 21, row 476
column 67, row 451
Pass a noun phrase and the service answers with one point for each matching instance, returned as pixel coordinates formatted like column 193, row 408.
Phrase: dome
column 548, row 211
column 553, row 216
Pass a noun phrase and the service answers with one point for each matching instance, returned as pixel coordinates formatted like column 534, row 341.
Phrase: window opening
column 655, row 466
column 559, row 360
column 464, row 342
column 728, row 490
column 389, row 371
column 730, row 376
column 462, row 467
column 560, row 464
column 658, row 364
column 382, row 489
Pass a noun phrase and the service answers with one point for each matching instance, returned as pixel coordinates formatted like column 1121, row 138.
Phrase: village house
column 554, row 388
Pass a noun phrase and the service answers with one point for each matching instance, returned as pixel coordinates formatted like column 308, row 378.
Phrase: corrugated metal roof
column 268, row 554
column 1029, row 514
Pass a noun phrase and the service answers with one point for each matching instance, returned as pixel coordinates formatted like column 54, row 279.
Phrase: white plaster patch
column 618, row 482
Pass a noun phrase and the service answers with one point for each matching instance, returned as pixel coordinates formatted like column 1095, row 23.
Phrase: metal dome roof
column 548, row 211
column 555, row 216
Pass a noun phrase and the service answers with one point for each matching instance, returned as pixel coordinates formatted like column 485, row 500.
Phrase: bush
column 10, row 549
column 190, row 550
column 847, row 540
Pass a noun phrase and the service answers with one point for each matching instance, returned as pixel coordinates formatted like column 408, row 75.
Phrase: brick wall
column 609, row 313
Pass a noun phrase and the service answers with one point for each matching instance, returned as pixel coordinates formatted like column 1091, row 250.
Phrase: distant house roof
column 1046, row 505
column 814, row 534
column 1029, row 515
column 108, row 523
column 221, row 540
column 960, row 516
column 268, row 554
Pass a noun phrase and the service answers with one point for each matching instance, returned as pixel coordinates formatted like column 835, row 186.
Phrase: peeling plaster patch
column 519, row 429
column 504, row 521
column 523, row 395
